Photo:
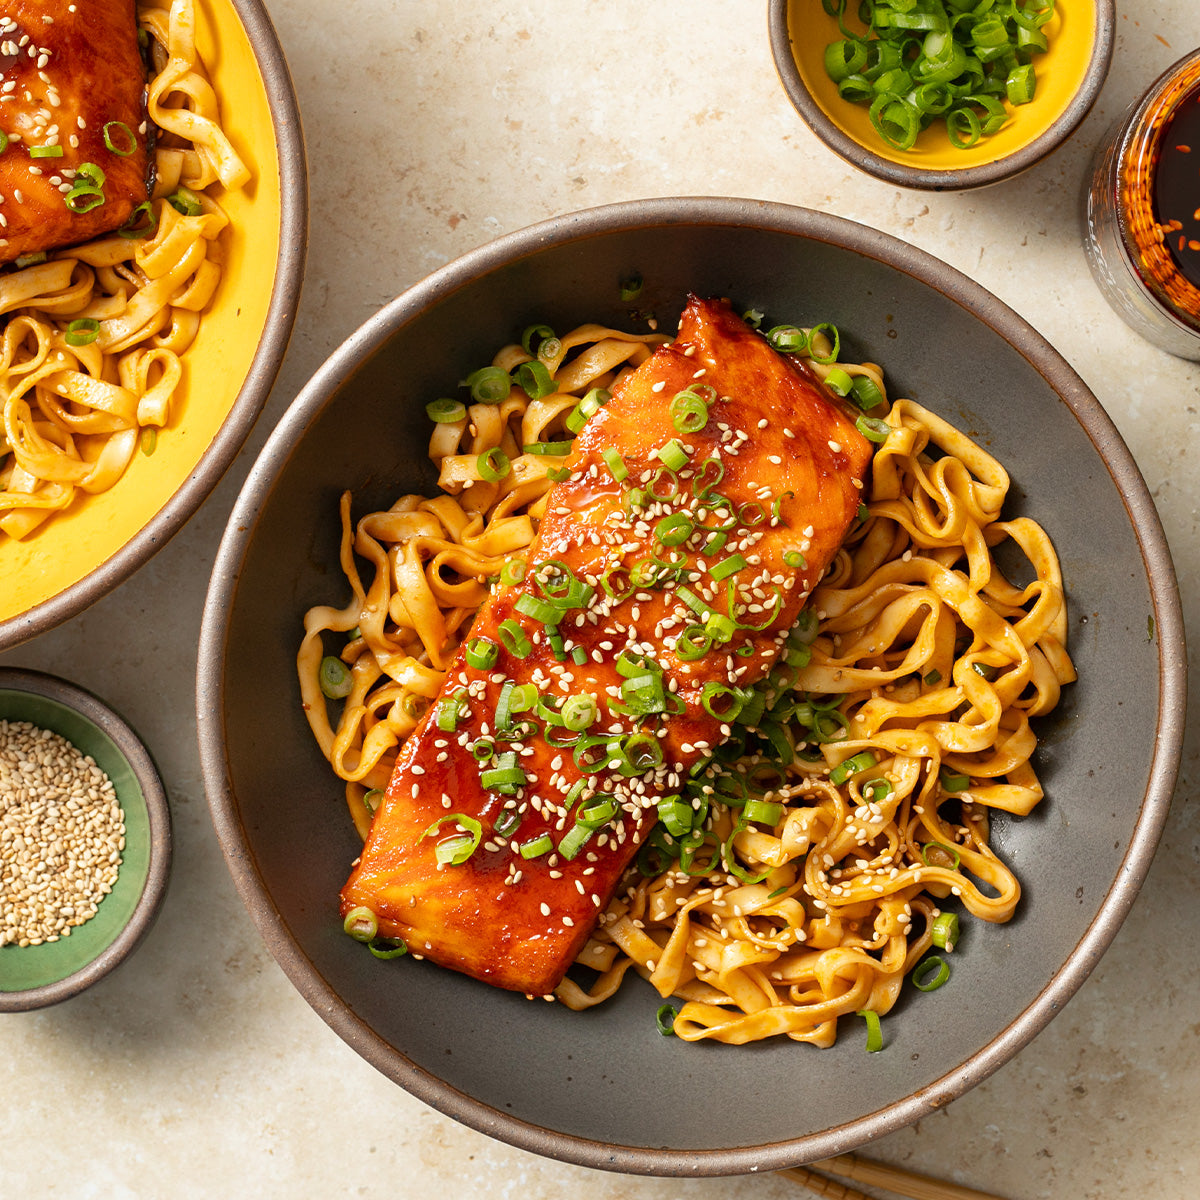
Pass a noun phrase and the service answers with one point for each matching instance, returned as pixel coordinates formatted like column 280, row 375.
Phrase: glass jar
column 1142, row 212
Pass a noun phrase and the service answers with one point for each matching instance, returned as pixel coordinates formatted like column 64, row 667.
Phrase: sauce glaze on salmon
column 650, row 626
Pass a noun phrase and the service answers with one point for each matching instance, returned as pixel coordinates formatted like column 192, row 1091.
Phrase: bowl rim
column 249, row 402
column 657, row 213
column 957, row 178
column 133, row 750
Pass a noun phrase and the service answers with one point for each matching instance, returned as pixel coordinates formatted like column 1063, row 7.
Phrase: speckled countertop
column 196, row 1070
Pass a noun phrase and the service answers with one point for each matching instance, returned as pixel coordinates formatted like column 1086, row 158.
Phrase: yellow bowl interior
column 74, row 543
column 1071, row 34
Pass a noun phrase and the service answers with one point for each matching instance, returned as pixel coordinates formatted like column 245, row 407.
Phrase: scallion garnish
column 944, row 931
column 949, row 853
column 481, row 653
column 689, row 412
column 123, row 134
column 615, row 463
column 788, row 339
column 143, row 221
column 534, row 379
column 953, row 781
column 535, row 847
column 874, row 1030
column 673, row 456
column 82, row 331
column 446, row 412
column 361, row 924
column 548, row 448
column 45, row 151
column 493, row 465
column 335, row 678
column 514, row 639
column 453, row 851
column 929, row 974
column 664, row 1019
column 488, row 385
column 186, row 202
column 873, row 429
column 727, row 566
column 862, row 761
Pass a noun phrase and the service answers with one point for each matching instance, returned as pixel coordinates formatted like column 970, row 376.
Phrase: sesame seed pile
column 62, row 833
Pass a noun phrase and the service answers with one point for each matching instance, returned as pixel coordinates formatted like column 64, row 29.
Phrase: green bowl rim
column 131, row 747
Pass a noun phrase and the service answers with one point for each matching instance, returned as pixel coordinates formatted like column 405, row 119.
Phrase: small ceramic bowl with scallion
column 85, row 840
column 936, row 94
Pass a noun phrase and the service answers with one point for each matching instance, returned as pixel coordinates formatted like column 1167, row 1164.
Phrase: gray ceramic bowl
column 602, row 1088
column 37, row 976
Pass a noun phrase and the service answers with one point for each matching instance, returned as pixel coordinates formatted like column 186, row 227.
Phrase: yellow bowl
column 85, row 551
column 1069, row 77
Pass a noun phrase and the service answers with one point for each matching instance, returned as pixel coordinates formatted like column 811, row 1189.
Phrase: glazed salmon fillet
column 72, row 92
column 667, row 571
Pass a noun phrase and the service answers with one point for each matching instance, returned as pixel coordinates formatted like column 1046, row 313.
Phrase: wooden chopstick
column 877, row 1174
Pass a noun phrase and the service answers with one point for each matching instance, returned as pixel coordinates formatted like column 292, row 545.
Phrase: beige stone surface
column 196, row 1070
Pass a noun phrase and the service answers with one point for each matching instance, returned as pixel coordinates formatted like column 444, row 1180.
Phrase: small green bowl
column 36, row 976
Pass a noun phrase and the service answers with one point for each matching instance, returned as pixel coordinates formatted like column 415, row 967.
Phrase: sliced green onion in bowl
column 930, row 973
column 874, row 1029
column 944, row 931
column 446, row 412
column 335, row 678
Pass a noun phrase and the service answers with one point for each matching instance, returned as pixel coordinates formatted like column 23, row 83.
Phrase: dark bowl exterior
column 603, row 1089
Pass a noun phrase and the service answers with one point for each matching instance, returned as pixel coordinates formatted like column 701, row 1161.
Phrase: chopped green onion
column 753, row 317
column 45, row 152
column 664, row 1019
column 335, row 678
column 788, row 339
column 831, row 334
column 839, row 382
column 514, row 639
column 543, row 333
column 676, row 814
column 446, row 412
column 361, row 924
column 89, row 172
column 505, row 779
column 873, row 429
column 373, row 799
column 513, row 572
column 942, row 851
column 874, row 1030
column 765, row 812
column 489, row 385
column 953, row 781
column 548, row 448
column 124, row 134
column 721, row 701
column 535, row 847
column 481, row 653
column 944, row 931
column 558, row 474
column 455, row 850
column 727, row 566
column 675, row 529
column 531, row 606
column 186, row 202
column 535, row 380
column 863, row 761
column 30, row 260
column 579, row 711
column 83, row 197
column 493, row 465
column 448, row 711
column 387, row 947
column 142, row 222
column 689, row 412
column 932, row 678
column 672, row 455
column 929, row 974
column 794, row 559
column 574, row 840
column 149, row 441
column 83, row 331
column 3, row 141
column 616, row 464
column 631, row 287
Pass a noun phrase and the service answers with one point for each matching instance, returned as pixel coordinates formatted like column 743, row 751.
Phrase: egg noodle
column 74, row 414
column 859, row 796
